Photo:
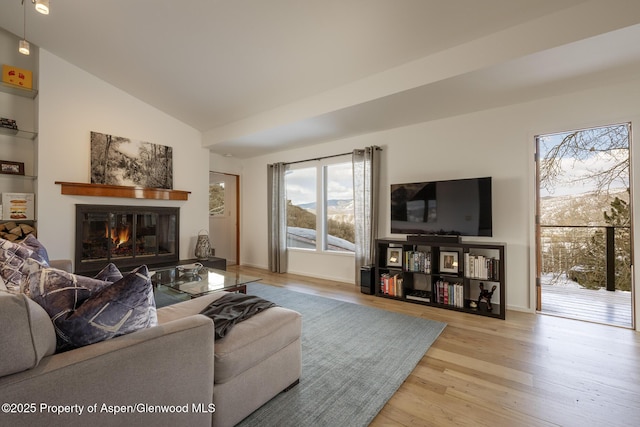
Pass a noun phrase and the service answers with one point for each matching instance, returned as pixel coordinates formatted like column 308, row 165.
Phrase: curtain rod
column 325, row 157
column 318, row 158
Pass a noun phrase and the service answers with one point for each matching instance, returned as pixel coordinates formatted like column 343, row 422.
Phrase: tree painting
column 121, row 161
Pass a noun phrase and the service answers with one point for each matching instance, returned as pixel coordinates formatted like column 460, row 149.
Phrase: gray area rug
column 354, row 358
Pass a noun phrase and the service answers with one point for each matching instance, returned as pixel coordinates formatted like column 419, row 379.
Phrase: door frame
column 537, row 250
column 237, row 210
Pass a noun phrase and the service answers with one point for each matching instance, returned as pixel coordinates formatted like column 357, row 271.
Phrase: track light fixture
column 42, row 6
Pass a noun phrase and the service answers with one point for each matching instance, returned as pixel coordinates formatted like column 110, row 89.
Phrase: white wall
column 497, row 143
column 72, row 103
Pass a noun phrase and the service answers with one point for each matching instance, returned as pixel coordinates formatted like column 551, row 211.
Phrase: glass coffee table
column 208, row 280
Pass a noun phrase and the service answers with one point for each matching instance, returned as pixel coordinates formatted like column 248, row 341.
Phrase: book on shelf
column 449, row 293
column 391, row 284
column 481, row 267
column 417, row 261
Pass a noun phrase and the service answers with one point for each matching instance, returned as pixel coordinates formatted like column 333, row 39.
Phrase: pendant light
column 42, row 6
column 23, row 45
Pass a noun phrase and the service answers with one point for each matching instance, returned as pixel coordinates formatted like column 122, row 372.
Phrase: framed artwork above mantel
column 121, row 161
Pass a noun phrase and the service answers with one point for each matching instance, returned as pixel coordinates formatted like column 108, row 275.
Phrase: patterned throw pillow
column 109, row 273
column 60, row 292
column 13, row 270
column 40, row 252
column 114, row 309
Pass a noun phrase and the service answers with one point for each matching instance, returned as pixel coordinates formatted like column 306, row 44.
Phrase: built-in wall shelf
column 18, row 90
column 102, row 190
column 18, row 133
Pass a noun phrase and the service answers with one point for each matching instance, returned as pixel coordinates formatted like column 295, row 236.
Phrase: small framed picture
column 394, row 257
column 448, row 262
column 12, row 168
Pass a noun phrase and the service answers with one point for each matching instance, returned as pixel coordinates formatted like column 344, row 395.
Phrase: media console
column 446, row 273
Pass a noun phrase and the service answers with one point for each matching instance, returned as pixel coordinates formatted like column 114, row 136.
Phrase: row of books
column 481, row 267
column 417, row 261
column 450, row 293
column 391, row 285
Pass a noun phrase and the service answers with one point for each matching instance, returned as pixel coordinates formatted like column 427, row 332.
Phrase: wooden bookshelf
column 449, row 275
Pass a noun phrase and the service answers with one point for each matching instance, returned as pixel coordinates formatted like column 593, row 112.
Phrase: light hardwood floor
column 527, row 370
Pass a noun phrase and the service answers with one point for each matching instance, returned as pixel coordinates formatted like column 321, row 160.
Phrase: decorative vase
column 203, row 246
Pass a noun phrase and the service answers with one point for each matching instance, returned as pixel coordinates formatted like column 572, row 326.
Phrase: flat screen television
column 459, row 207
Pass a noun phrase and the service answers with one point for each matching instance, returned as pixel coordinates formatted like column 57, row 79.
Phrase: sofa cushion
column 27, row 333
column 117, row 309
column 13, row 257
column 255, row 340
column 247, row 343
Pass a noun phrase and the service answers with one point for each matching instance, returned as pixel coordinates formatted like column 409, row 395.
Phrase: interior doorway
column 584, row 225
column 224, row 217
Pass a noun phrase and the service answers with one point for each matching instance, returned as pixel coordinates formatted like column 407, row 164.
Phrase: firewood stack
column 15, row 232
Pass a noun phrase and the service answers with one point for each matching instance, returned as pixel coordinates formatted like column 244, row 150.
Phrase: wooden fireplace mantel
column 103, row 190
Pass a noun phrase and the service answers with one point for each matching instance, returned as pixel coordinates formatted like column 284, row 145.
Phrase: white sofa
column 170, row 364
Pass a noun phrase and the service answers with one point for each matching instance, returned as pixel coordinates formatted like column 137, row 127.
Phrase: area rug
column 354, row 358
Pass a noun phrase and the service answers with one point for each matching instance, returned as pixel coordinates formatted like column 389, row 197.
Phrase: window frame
column 320, row 166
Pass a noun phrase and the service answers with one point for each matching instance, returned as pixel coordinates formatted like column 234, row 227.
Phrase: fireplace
column 127, row 236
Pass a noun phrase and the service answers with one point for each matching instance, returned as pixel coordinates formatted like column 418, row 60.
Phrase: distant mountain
column 579, row 209
column 338, row 209
column 333, row 203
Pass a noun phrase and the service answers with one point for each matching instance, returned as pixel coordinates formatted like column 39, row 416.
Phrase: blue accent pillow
column 110, row 273
column 60, row 292
column 85, row 310
column 40, row 252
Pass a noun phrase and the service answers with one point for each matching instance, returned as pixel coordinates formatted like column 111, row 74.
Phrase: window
column 340, row 231
column 320, row 205
column 216, row 198
column 301, row 208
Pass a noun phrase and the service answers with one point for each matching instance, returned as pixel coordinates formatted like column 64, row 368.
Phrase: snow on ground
column 563, row 281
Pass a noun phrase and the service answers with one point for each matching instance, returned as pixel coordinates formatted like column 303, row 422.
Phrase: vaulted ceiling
column 257, row 76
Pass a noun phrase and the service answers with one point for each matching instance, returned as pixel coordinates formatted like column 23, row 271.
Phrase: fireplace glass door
column 126, row 236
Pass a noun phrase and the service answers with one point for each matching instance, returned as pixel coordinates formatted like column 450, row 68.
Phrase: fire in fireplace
column 126, row 236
